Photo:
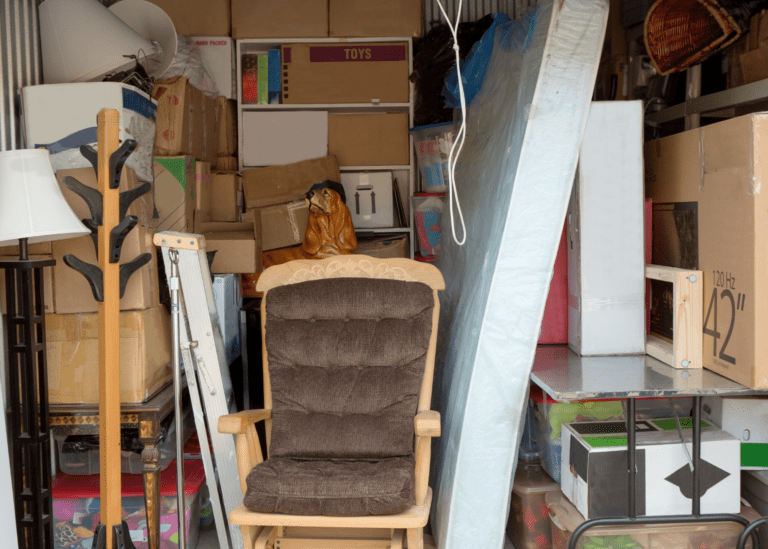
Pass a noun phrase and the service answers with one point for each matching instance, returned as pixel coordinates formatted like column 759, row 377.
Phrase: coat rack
column 109, row 226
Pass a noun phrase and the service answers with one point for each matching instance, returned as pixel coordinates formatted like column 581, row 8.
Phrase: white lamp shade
column 152, row 23
column 31, row 203
column 82, row 40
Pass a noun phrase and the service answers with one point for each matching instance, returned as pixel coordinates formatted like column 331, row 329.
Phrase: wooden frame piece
column 686, row 348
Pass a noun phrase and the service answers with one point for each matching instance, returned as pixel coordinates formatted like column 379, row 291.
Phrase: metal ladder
column 208, row 379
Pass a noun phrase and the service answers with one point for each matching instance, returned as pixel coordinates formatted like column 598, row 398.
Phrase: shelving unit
column 405, row 173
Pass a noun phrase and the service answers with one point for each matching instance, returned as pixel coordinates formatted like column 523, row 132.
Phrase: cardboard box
column 709, row 214
column 280, row 184
column 364, row 18
column 554, row 324
column 369, row 199
column 369, row 139
column 218, row 53
column 754, row 61
column 73, row 355
column 345, row 73
column 226, row 163
column 228, row 295
column 236, row 251
column 62, row 117
column 279, row 18
column 594, row 456
column 201, row 194
column 222, row 193
column 227, row 117
column 198, row 17
column 175, row 177
column 746, row 418
column 141, row 208
column 384, row 247
column 186, row 120
column 48, row 289
column 74, row 295
column 606, row 250
column 283, row 225
column 283, row 137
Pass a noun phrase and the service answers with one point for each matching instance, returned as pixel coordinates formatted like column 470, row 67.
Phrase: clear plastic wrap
column 514, row 180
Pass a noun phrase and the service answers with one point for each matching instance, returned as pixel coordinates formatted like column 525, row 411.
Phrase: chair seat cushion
column 337, row 488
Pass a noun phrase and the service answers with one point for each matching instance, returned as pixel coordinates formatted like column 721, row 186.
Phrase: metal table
column 566, row 376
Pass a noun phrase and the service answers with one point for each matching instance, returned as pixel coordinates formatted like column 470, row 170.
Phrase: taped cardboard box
column 283, row 225
column 279, row 18
column 223, row 196
column 226, row 116
column 175, row 179
column 364, row 18
column 345, row 73
column 198, row 17
column 48, row 290
column 379, row 139
column 226, row 163
column 236, row 252
column 281, row 184
column 74, row 293
column 73, row 355
column 186, row 120
column 716, row 220
column 141, row 208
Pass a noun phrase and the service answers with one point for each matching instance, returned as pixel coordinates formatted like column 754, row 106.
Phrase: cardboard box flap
column 280, row 184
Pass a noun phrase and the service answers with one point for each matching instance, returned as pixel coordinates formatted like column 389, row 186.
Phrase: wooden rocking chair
column 349, row 352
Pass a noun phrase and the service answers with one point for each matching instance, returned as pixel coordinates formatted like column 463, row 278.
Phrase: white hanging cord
column 458, row 144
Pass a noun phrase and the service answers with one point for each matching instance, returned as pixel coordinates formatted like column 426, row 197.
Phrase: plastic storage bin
column 529, row 448
column 433, row 146
column 76, row 508
column 549, row 416
column 528, row 526
column 565, row 519
column 428, row 213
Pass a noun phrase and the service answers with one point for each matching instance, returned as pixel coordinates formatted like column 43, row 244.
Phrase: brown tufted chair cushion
column 346, row 362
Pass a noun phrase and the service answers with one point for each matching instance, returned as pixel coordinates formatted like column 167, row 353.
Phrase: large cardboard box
column 73, row 355
column 175, row 178
column 606, row 249
column 236, row 251
column 746, row 418
column 283, row 225
column 345, row 73
column 379, row 139
column 369, row 199
column 281, row 184
column 48, row 290
column 74, row 295
column 227, row 117
column 186, row 120
column 228, row 295
column 218, row 53
column 279, row 18
column 365, row 18
column 197, row 17
column 710, row 214
column 754, row 55
column 141, row 208
column 223, row 196
column 283, row 137
column 594, row 456
column 62, row 117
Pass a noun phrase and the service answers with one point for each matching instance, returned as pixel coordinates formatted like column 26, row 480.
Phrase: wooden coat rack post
column 109, row 226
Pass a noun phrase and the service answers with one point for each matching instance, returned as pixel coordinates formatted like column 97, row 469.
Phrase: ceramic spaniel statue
column 329, row 227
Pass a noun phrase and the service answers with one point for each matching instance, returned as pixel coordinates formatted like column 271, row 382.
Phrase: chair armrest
column 427, row 423
column 234, row 424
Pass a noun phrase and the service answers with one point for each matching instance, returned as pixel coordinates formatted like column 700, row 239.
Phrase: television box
column 594, row 456
column 606, row 250
column 62, row 117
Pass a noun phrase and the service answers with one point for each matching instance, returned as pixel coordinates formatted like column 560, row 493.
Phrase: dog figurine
column 329, row 227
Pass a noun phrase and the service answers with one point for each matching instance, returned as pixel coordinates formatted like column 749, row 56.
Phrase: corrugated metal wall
column 20, row 63
column 472, row 10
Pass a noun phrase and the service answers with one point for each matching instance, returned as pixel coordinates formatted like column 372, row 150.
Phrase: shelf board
column 393, row 230
column 566, row 376
column 331, row 107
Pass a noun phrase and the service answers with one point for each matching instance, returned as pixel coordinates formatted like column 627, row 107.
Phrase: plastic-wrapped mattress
column 514, row 180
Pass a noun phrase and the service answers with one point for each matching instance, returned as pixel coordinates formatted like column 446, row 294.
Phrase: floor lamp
column 32, row 209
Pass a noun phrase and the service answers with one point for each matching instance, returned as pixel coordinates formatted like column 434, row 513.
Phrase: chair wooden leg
column 415, row 538
column 266, row 538
column 397, row 538
column 249, row 534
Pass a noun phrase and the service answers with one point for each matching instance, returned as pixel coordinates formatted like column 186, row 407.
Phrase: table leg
column 151, row 473
column 696, row 496
column 631, row 455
